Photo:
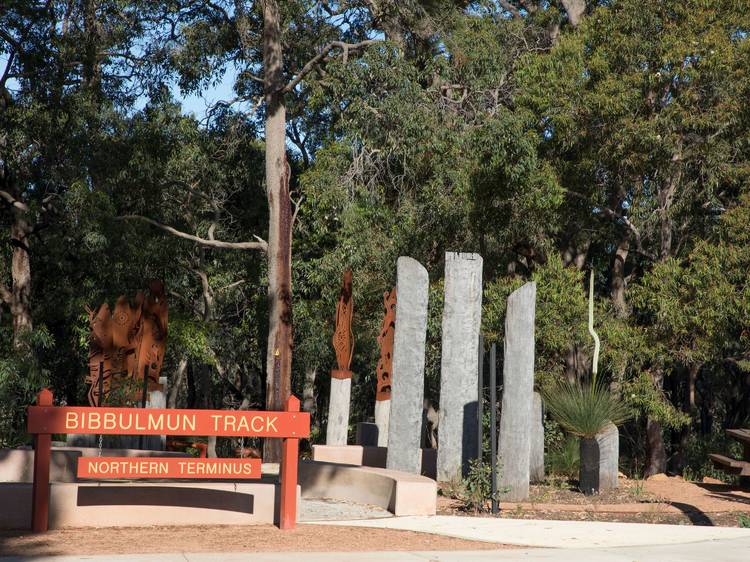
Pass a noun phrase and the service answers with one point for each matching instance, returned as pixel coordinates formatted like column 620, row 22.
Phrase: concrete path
column 728, row 550
column 553, row 534
column 336, row 510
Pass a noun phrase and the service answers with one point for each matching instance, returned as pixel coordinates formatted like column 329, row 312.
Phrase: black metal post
column 480, row 397
column 143, row 399
column 493, row 425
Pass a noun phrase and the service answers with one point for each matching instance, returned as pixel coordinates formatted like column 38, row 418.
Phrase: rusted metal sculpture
column 343, row 338
column 126, row 340
column 385, row 341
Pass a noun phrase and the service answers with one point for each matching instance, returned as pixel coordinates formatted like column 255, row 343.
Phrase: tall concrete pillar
column 338, row 410
column 404, row 430
column 536, row 460
column 518, row 388
column 382, row 420
column 462, row 318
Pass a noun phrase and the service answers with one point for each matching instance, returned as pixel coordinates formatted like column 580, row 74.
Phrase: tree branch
column 508, row 7
column 259, row 245
column 13, row 202
column 623, row 218
column 317, row 59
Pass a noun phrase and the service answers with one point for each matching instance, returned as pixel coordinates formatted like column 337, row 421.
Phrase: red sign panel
column 147, row 421
column 167, row 467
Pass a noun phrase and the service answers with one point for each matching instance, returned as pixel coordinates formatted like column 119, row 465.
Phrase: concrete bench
column 398, row 492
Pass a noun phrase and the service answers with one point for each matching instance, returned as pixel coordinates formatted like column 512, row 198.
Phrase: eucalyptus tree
column 641, row 113
column 67, row 68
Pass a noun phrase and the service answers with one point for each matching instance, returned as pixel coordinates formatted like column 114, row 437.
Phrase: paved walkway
column 729, row 550
column 553, row 534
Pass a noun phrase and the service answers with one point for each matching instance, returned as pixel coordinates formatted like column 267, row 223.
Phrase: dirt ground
column 225, row 538
column 660, row 499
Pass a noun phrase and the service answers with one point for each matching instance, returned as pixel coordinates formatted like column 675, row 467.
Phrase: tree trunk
column 176, row 383
column 617, row 283
column 588, row 474
column 656, row 453
column 575, row 10
column 20, row 302
column 656, row 460
column 689, row 408
column 279, row 350
column 308, row 392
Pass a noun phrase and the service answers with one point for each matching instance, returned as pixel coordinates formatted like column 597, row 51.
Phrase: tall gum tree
column 255, row 37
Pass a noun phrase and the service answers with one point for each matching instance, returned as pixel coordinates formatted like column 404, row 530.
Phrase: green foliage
column 548, row 149
column 563, row 458
column 475, row 490
column 743, row 520
column 560, row 314
column 22, row 376
column 584, row 410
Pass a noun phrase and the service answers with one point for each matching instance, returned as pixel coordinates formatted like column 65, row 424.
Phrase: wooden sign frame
column 44, row 419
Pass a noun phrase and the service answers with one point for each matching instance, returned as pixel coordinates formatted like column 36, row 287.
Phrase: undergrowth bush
column 564, row 458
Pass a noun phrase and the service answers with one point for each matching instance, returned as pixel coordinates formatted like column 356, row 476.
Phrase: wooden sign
column 154, row 421
column 124, row 468
column 44, row 419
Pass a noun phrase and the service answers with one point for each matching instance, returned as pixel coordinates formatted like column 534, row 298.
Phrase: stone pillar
column 536, row 459
column 382, row 417
column 366, row 434
column 462, row 317
column 405, row 426
column 518, row 387
column 609, row 457
column 338, row 410
column 156, row 399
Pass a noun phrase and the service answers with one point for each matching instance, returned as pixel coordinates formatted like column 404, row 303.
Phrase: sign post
column 289, row 450
column 40, row 488
column 44, row 419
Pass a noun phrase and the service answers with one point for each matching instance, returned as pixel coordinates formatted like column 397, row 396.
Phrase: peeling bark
column 656, row 454
column 279, row 350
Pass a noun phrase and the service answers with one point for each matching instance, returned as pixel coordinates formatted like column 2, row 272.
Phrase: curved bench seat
column 400, row 493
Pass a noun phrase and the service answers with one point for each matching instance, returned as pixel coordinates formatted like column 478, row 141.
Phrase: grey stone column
column 518, row 387
column 338, row 411
column 462, row 318
column 382, row 420
column 405, row 426
column 536, row 459
column 609, row 457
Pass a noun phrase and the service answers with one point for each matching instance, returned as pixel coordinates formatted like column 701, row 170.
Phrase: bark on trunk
column 656, row 461
column 689, row 408
column 176, row 383
column 308, row 392
column 575, row 10
column 588, row 474
column 20, row 305
column 617, row 288
column 279, row 350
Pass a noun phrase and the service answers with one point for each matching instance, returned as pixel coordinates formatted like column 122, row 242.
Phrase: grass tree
column 585, row 409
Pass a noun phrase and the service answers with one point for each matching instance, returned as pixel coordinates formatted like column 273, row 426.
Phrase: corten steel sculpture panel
column 385, row 341
column 343, row 338
column 126, row 340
